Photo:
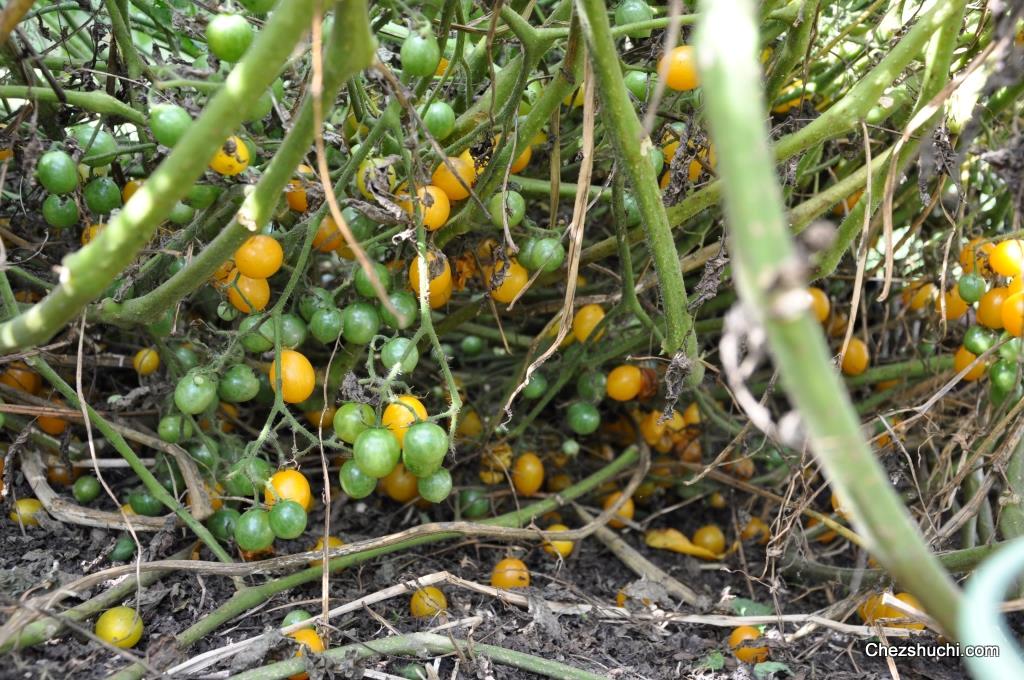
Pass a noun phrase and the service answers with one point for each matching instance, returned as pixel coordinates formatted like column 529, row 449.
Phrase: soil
column 44, row 557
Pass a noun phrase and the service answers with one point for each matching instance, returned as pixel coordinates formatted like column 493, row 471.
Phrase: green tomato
column 583, row 418
column 360, row 322
column 1000, row 398
column 420, row 55
column 293, row 331
column 202, row 196
column 406, row 305
column 185, row 357
column 145, row 503
column 163, row 326
column 436, row 487
column 1011, row 347
column 537, row 387
column 250, row 336
column 364, row 286
column 173, row 428
column 253, row 531
column 657, row 160
column 288, row 519
column 222, row 523
column 247, row 476
column 326, row 324
column 439, row 119
column 313, row 299
column 60, row 212
column 1003, row 375
column 401, row 352
column 592, row 385
column 97, row 146
column 514, row 205
column 239, row 383
column 471, row 345
column 526, row 253
column 228, row 36
column 124, row 549
column 636, row 83
column 548, row 254
column 632, row 210
column 979, row 339
column 57, row 172
column 169, row 123
column 294, row 616
column 181, row 214
column 632, row 12
column 971, row 287
column 424, row 448
column 86, row 489
column 206, row 455
column 195, row 392
column 167, row 473
column 474, row 503
column 351, row 419
column 376, row 451
column 354, row 482
column 102, row 196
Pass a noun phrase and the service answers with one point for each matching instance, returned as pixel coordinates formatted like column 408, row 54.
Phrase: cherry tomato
column 253, row 531
column 146, row 361
column 247, row 475
column 326, row 324
column 232, row 158
column 289, row 485
column 435, row 487
column 510, row 573
column 351, row 419
column 86, row 489
column 328, row 237
column 120, row 627
column 354, row 482
column 222, row 523
column 228, row 36
column 512, row 203
column 1003, row 375
column 632, row 12
column 195, row 392
column 26, row 511
column 555, row 547
column 401, row 413
column 20, row 377
column 678, row 68
column 427, row 602
column 962, row 359
column 710, row 537
column 296, row 615
column 309, row 641
column 433, row 205
column 440, row 283
column 287, row 519
column 756, row 529
column 260, row 257
column 97, row 145
column 424, row 448
column 990, row 308
column 60, row 212
column 238, row 384
column 173, row 428
column 747, row 654
column 624, row 382
column 583, row 418
column 168, row 123
column 360, row 322
column 407, row 306
column 439, row 118
column 625, row 512
column 548, row 254
column 1007, row 258
column 399, row 485
column 364, row 285
column 375, row 173
column 954, row 304
column 474, row 503
column 248, row 295
column 506, row 280
column 376, row 452
column 400, row 352
column 819, row 303
column 455, row 182
column 297, row 377
column 971, row 287
column 1013, row 314
column 536, row 387
column 586, row 320
column 420, row 55
column 979, row 340
column 57, row 172
column 857, row 357
column 528, row 474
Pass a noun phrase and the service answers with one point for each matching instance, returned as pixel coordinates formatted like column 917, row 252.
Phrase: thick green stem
column 97, row 102
column 767, row 272
column 632, row 148
column 87, row 272
column 795, row 49
column 123, row 36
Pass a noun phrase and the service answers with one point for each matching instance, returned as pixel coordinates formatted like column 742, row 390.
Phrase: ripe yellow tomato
column 747, row 654
column 259, row 257
column 91, row 232
column 528, row 474
column 955, row 305
column 845, row 206
column 26, row 510
column 434, row 206
column 146, row 361
column 757, row 529
column 54, row 426
column 297, row 377
column 974, row 258
column 625, row 512
column 1007, row 258
column 561, row 548
column 586, row 320
column 990, row 308
column 678, row 68
column 231, row 158
column 512, row 280
column 710, row 537
column 119, row 626
column 440, row 286
column 332, row 542
column 857, row 357
column 820, row 304
column 401, row 413
column 427, row 602
column 624, row 382
column 373, row 170
column 917, row 295
column 288, row 485
column 510, row 573
column 20, row 377
column 130, row 187
column 400, row 485
column 247, row 295
column 1012, row 313
column 308, row 639
column 451, row 182
column 328, row 237
column 962, row 359
column 792, row 102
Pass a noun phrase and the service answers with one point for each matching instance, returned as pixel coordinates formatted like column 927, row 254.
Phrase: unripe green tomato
column 169, row 123
column 525, row 256
column 57, row 172
column 227, row 311
column 124, row 549
column 86, row 489
column 206, row 455
column 583, row 418
column 326, row 324
column 60, row 212
column 351, row 419
column 253, row 531
column 239, row 383
column 222, row 523
column 294, row 616
column 195, row 392
column 354, row 482
column 474, row 503
column 247, row 476
column 979, row 339
column 514, row 205
column 537, row 387
column 202, row 196
column 97, row 145
column 1003, row 375
column 401, row 352
column 631, row 12
column 439, row 118
column 420, row 55
column 102, row 196
column 632, row 210
column 363, row 284
column 313, row 299
column 185, row 357
column 471, row 345
column 999, row 397
column 376, row 451
column 971, row 287
column 288, row 519
column 360, row 322
column 1011, row 347
column 657, row 160
column 592, row 385
column 406, row 305
column 637, row 84
column 548, row 254
column 228, row 36
column 145, row 503
column 174, row 428
column 181, row 214
column 436, row 487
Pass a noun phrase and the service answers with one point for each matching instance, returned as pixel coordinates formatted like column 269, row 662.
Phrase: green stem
column 97, row 102
column 123, row 36
column 632, row 147
column 415, row 644
column 766, row 270
column 795, row 49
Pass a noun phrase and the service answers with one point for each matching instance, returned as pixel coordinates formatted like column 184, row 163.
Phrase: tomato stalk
column 97, row 102
column 767, row 270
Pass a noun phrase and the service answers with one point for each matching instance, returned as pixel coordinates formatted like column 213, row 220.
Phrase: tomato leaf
column 767, row 669
column 744, row 607
column 714, row 661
